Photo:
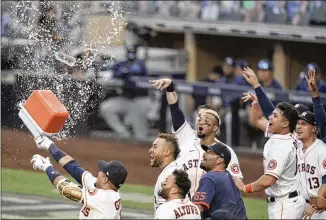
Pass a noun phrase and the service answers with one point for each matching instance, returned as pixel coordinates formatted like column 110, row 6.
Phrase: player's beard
column 156, row 161
column 201, row 135
column 164, row 193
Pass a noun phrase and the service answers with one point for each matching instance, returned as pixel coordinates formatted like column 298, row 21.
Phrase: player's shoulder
column 107, row 196
column 169, row 169
column 282, row 142
column 320, row 145
column 213, row 176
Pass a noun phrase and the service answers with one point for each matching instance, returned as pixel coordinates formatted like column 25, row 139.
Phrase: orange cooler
column 46, row 110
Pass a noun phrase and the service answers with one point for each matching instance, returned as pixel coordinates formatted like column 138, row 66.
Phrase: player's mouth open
column 200, row 128
column 152, row 157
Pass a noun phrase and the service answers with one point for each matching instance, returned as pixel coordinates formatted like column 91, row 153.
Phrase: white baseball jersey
column 98, row 203
column 163, row 175
column 178, row 209
column 311, row 167
column 191, row 155
column 280, row 161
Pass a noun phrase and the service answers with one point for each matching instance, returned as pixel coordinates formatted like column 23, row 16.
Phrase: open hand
column 40, row 163
column 161, row 83
column 250, row 77
column 312, row 82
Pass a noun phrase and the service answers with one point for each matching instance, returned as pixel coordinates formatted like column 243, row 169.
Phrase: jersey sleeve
column 322, row 161
column 205, row 193
column 163, row 212
column 88, row 181
column 183, row 134
column 233, row 166
column 276, row 162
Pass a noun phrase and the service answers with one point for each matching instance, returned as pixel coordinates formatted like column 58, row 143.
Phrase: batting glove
column 43, row 142
column 40, row 162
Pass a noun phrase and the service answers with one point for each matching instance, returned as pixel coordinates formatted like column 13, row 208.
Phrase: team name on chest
column 185, row 210
column 190, row 164
column 303, row 167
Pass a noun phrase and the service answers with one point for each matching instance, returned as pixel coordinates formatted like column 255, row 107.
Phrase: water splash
column 48, row 54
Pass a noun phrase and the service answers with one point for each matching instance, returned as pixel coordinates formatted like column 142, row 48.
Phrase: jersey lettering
column 185, row 210
column 191, row 164
column 307, row 168
column 199, row 196
column 85, row 211
column 313, row 183
column 117, row 204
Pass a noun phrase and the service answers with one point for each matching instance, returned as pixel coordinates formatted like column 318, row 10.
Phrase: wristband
column 56, row 153
column 170, row 88
column 247, row 188
column 52, row 173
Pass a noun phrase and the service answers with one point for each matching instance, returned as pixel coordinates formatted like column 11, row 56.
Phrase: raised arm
column 256, row 118
column 62, row 158
column 66, row 188
column 317, row 105
column 178, row 118
column 263, row 100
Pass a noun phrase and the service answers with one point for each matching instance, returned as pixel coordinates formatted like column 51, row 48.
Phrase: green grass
column 37, row 184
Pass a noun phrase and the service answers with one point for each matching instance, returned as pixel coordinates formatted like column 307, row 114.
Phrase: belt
column 291, row 195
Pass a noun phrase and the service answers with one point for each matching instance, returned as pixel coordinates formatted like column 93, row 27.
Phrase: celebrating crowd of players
column 200, row 176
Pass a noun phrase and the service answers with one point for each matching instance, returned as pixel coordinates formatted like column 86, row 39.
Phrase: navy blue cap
column 229, row 61
column 217, row 70
column 312, row 66
column 265, row 65
column 301, row 108
column 220, row 149
column 114, row 170
column 241, row 63
column 309, row 117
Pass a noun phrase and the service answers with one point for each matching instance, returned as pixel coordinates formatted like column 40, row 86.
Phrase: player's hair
column 290, row 113
column 172, row 139
column 210, row 107
column 182, row 181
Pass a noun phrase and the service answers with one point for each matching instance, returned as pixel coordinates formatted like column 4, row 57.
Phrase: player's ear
column 215, row 128
column 314, row 129
column 219, row 160
column 286, row 123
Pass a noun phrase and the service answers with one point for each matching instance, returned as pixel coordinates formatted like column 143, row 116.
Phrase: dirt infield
column 18, row 148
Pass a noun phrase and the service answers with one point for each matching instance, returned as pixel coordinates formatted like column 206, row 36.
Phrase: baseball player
column 216, row 189
column 100, row 196
column 280, row 181
column 174, row 190
column 207, row 124
column 163, row 153
column 311, row 161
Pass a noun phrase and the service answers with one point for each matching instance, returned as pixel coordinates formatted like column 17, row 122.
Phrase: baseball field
column 25, row 190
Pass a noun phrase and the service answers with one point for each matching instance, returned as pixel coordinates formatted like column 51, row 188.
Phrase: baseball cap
column 228, row 61
column 308, row 116
column 217, row 70
column 265, row 65
column 114, row 170
column 301, row 108
column 220, row 149
column 241, row 63
column 312, row 66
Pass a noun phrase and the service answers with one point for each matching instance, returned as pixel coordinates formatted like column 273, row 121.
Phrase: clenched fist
column 43, row 142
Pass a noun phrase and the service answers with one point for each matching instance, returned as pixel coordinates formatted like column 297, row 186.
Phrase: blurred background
column 116, row 46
